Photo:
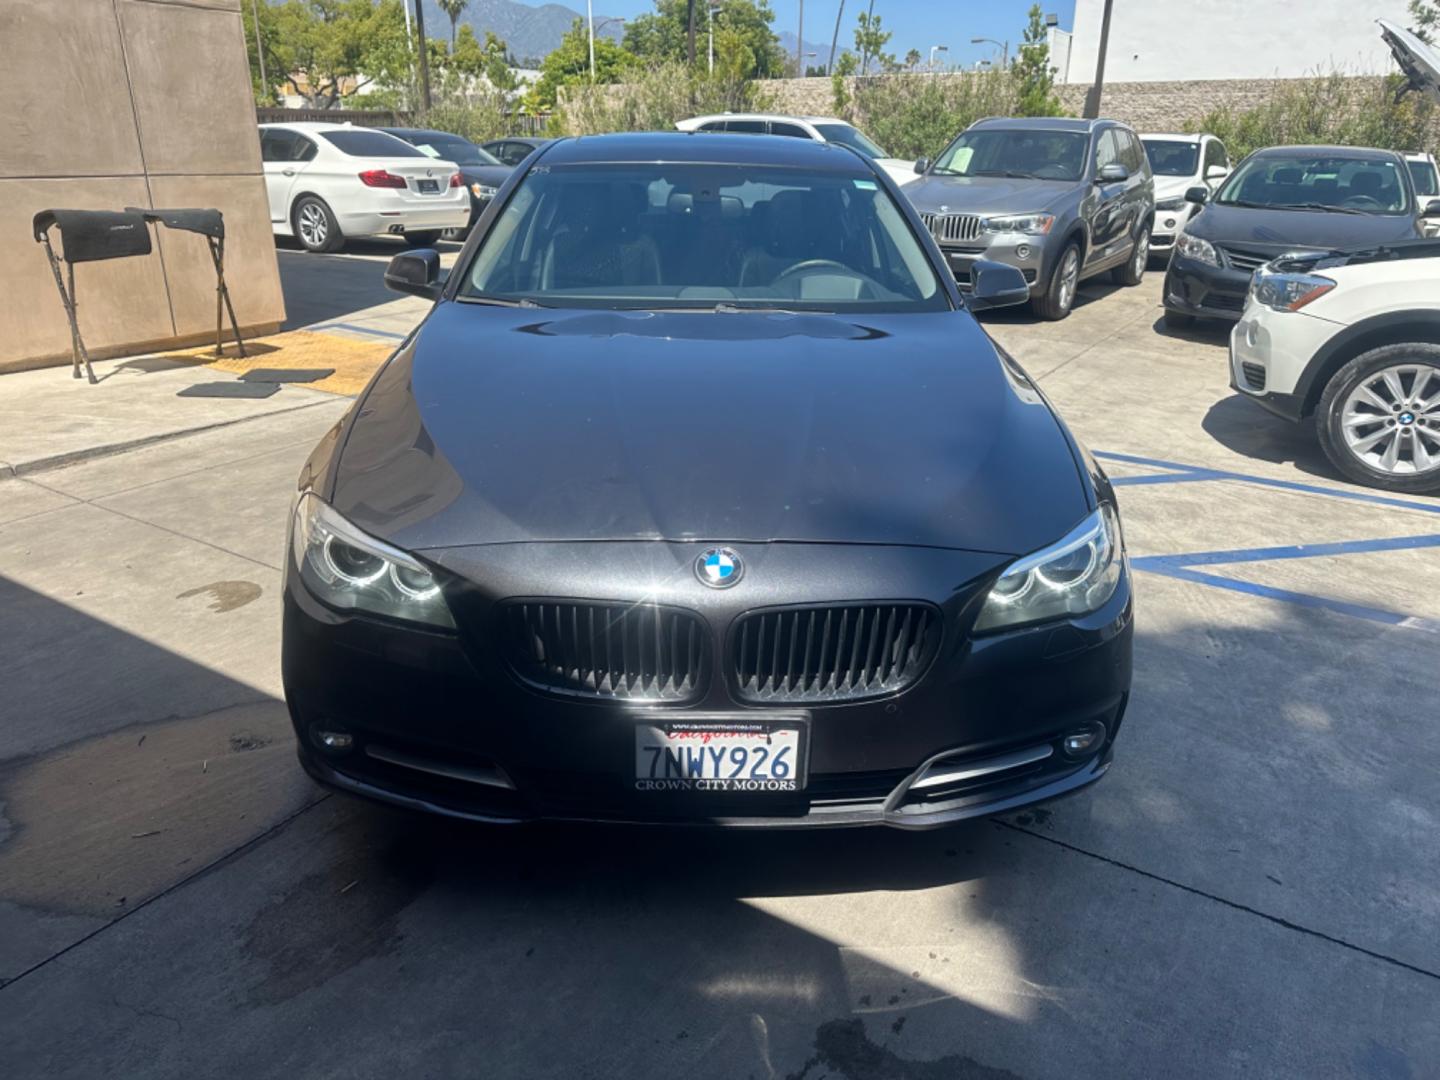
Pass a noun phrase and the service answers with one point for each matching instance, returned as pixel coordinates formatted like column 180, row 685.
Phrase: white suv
column 1353, row 340
column 1179, row 163
column 818, row 128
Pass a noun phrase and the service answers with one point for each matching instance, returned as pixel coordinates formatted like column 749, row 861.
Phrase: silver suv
column 1061, row 200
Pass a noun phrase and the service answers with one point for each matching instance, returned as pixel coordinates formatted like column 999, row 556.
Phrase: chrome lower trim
column 937, row 772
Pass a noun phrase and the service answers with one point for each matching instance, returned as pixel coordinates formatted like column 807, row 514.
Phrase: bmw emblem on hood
column 719, row 568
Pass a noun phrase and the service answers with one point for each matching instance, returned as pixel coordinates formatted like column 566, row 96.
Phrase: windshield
column 1035, row 155
column 1317, row 182
column 703, row 236
column 848, row 136
column 1170, row 157
column 362, row 143
column 1422, row 175
column 452, row 148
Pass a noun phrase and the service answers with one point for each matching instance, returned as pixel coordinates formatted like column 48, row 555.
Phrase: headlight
column 1170, row 204
column 349, row 570
column 1072, row 577
column 1192, row 247
column 483, row 191
column 1029, row 224
column 1289, row 292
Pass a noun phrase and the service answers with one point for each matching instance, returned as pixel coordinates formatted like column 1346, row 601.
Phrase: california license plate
column 429, row 187
column 721, row 755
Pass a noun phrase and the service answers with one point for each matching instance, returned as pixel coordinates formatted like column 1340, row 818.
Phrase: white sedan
column 327, row 182
column 1354, row 341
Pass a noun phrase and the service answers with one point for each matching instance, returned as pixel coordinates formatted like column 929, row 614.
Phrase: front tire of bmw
column 1379, row 418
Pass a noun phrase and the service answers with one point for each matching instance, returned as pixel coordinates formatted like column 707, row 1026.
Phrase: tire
column 1178, row 320
column 315, row 225
column 1059, row 296
column 1406, row 377
column 422, row 237
column 1133, row 270
column 457, row 236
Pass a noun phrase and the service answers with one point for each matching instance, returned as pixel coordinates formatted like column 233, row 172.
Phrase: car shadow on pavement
column 1246, row 428
column 1201, row 331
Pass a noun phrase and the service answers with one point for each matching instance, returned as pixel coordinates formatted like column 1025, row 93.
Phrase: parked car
column 1062, row 200
column 513, row 150
column 1354, row 341
column 1178, row 163
column 327, row 182
column 818, row 128
column 1316, row 198
column 481, row 173
column 1427, row 187
column 867, row 577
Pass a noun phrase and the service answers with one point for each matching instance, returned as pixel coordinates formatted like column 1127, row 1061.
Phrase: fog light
column 1169, row 223
column 1023, row 251
column 1083, row 741
column 332, row 742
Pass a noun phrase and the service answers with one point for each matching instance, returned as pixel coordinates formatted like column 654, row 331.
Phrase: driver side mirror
column 1215, row 172
column 1197, row 195
column 1432, row 209
column 996, row 285
column 1113, row 173
column 921, row 165
column 416, row 273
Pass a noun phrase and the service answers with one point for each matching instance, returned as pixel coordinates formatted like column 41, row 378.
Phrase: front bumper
column 1270, row 352
column 1166, row 225
column 440, row 724
column 1025, row 253
column 1205, row 290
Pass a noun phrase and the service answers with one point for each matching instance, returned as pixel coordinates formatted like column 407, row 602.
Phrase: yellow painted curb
column 354, row 361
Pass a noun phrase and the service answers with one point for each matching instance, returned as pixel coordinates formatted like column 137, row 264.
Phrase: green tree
column 744, row 42
column 870, row 39
column 326, row 50
column 274, row 69
column 1034, row 77
column 453, row 10
column 569, row 65
column 912, row 59
column 1426, row 14
column 845, row 66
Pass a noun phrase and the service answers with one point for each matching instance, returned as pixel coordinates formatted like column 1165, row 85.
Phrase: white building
column 1177, row 40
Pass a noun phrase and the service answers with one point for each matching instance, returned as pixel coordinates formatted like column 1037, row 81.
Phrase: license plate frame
column 702, row 732
column 428, row 187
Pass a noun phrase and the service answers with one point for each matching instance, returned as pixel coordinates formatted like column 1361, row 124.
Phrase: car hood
column 504, row 425
column 1289, row 230
column 985, row 194
column 1169, row 187
column 489, row 175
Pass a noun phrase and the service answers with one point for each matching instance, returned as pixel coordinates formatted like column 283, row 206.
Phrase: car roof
column 401, row 132
column 316, row 126
column 1044, row 123
column 708, row 148
column 1190, row 137
column 1367, row 153
column 768, row 116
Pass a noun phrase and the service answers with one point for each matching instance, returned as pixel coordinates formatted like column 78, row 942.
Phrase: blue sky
column 916, row 24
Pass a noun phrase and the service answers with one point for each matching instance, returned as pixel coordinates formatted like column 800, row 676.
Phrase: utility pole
column 260, row 47
column 590, row 21
column 800, row 44
column 1092, row 96
column 690, row 32
column 835, row 37
column 424, row 56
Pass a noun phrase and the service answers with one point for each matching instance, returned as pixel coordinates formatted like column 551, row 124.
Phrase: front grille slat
column 952, row 228
column 641, row 652
column 878, row 649
column 1248, row 261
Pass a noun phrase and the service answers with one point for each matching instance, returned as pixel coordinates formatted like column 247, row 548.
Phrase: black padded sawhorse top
column 88, row 236
column 211, row 225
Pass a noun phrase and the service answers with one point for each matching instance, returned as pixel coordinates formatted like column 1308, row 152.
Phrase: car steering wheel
column 810, row 265
column 1373, row 203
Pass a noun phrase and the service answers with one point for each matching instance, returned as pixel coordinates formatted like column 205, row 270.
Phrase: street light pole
column 1004, row 48
column 830, row 67
column 710, row 28
column 590, row 20
column 800, row 44
column 424, row 56
column 933, row 50
column 1092, row 96
column 259, row 46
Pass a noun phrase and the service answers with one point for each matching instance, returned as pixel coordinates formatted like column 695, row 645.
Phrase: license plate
column 429, row 187
column 722, row 755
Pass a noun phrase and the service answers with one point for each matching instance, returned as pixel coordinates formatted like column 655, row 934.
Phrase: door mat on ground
column 351, row 361
column 236, row 389
column 275, row 374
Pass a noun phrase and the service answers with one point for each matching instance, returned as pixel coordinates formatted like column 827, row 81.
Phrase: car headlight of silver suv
column 1073, row 576
column 1192, row 247
column 350, row 570
column 1029, row 224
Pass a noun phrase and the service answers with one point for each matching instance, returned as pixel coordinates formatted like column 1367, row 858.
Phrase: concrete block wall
column 114, row 103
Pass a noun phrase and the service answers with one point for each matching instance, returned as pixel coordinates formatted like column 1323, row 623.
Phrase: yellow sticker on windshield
column 865, row 185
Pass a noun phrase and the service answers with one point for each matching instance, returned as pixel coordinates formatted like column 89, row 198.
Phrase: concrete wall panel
column 249, row 252
column 67, row 110
column 185, row 125
column 121, row 301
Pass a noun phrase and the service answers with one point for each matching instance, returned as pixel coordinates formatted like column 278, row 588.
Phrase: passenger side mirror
column 1112, row 173
column 921, row 165
column 1197, row 195
column 995, row 285
column 416, row 273
column 1432, row 209
column 1215, row 172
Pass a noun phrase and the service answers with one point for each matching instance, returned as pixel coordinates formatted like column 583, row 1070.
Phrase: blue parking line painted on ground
column 1159, row 478
column 357, row 329
column 1199, row 473
column 1325, row 603
column 1286, row 551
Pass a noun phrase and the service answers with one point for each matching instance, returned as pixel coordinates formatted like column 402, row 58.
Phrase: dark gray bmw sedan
column 699, row 496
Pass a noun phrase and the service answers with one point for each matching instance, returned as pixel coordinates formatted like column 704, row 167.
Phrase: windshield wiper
column 1322, row 206
column 726, row 308
column 502, row 301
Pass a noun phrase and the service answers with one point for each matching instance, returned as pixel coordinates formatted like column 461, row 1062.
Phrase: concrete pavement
column 1252, row 891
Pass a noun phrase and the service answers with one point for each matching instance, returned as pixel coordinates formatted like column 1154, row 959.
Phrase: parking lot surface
column 1253, row 890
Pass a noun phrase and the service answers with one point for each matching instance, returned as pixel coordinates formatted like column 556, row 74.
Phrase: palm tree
column 454, row 9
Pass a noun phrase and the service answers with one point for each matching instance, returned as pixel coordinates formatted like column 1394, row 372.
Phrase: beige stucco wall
column 114, row 103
